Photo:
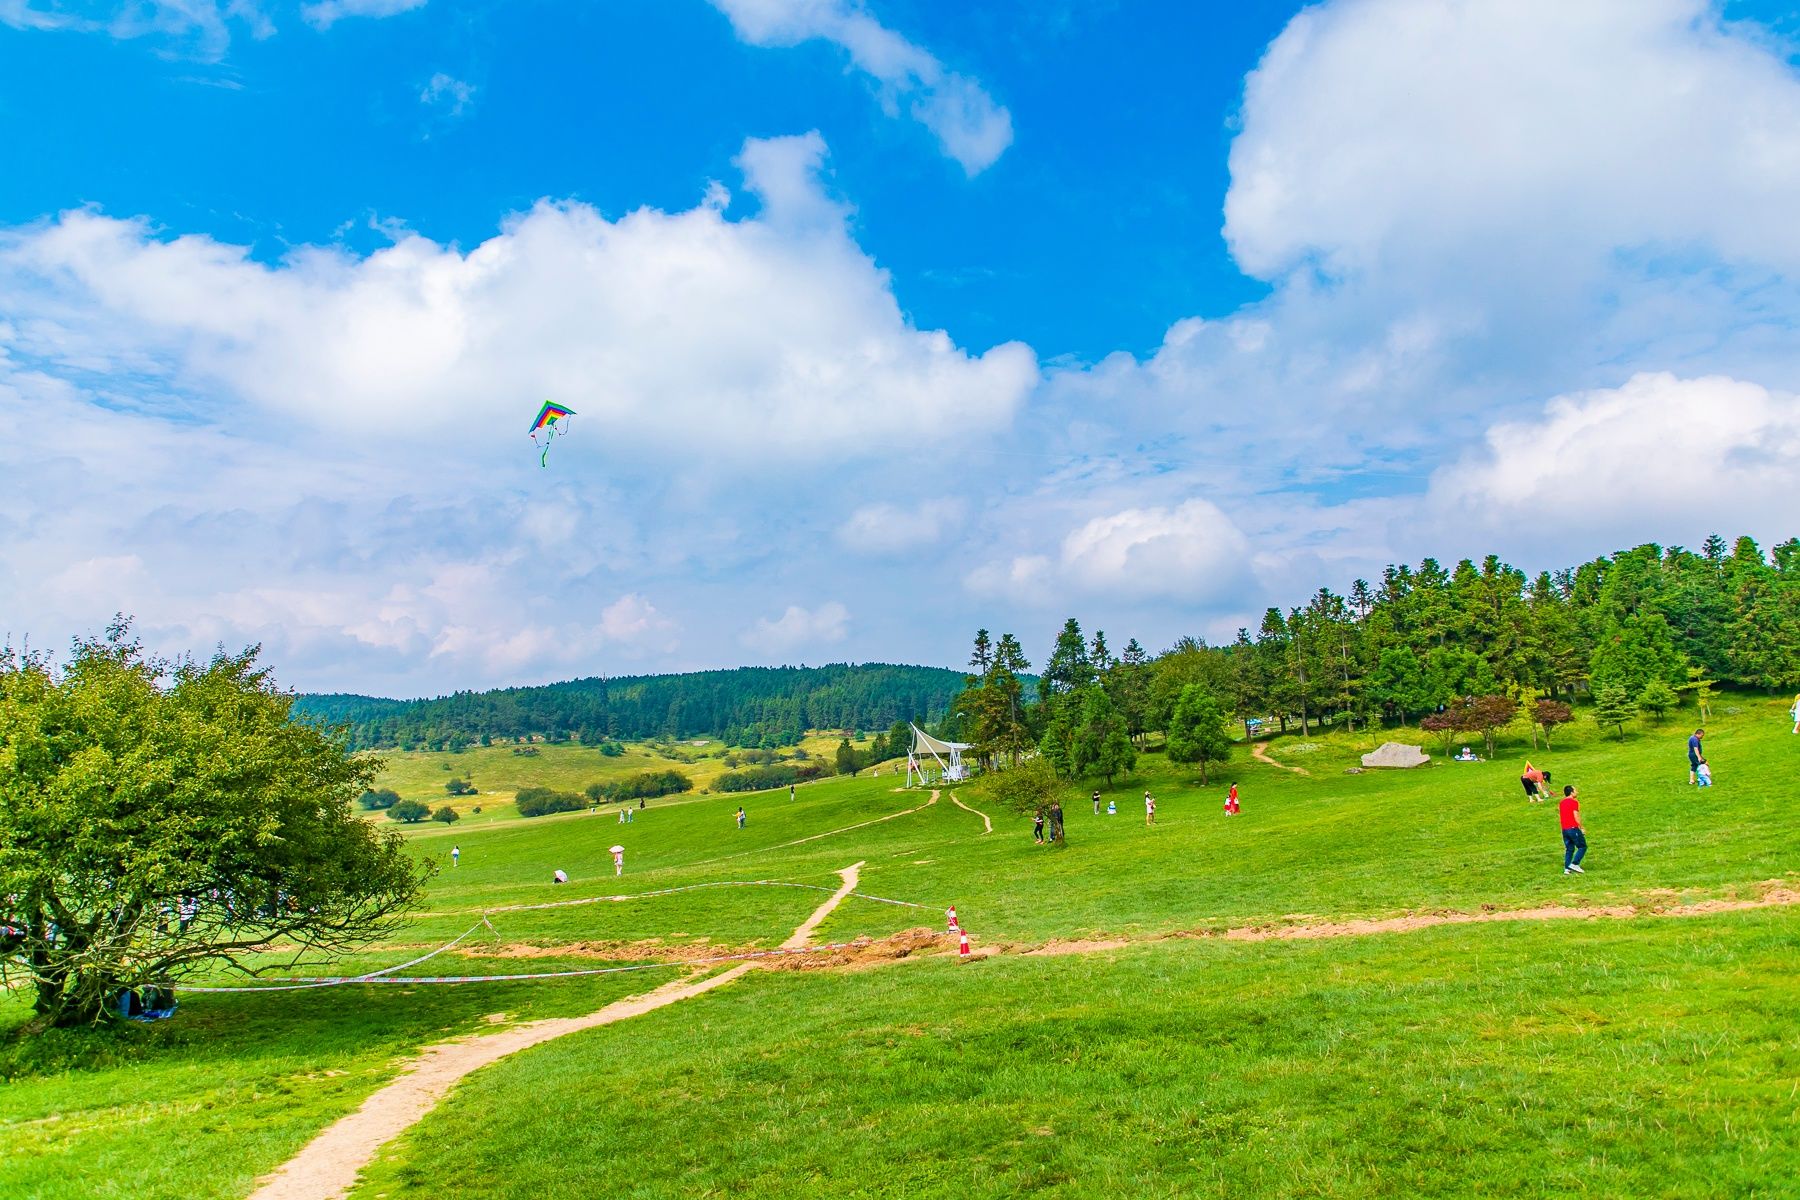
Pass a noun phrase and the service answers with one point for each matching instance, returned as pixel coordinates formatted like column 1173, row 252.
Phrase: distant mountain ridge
column 742, row 705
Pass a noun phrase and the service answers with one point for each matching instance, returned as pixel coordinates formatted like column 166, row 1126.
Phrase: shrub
column 460, row 787
column 379, row 798
column 540, row 801
column 409, row 811
column 447, row 815
column 645, row 785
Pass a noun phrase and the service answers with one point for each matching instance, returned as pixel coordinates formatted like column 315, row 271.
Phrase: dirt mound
column 864, row 952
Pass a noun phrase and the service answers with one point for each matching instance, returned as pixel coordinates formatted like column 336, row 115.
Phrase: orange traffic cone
column 962, row 949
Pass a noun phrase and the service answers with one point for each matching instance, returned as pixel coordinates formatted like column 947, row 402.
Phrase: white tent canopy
column 947, row 755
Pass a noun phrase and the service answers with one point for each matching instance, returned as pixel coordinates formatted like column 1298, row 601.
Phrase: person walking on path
column 740, row 816
column 618, row 860
column 455, row 856
column 1149, row 809
column 1574, row 837
column 1231, row 802
column 1096, row 802
column 1037, row 826
column 1694, row 756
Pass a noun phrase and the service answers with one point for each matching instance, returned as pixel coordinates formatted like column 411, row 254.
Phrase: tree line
column 748, row 706
column 1464, row 650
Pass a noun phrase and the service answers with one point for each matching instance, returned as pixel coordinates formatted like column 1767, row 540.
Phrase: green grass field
column 498, row 773
column 1648, row 1057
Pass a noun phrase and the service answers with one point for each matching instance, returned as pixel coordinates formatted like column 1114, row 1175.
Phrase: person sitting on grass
column 1574, row 837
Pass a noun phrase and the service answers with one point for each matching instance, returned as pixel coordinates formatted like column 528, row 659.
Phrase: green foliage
column 645, row 785
column 1613, row 707
column 742, row 706
column 447, row 815
column 410, row 812
column 1026, row 788
column 1197, row 731
column 378, row 798
column 757, row 779
column 1657, row 699
column 846, row 758
column 459, row 787
column 157, row 818
column 1100, row 742
column 542, row 801
column 1054, row 747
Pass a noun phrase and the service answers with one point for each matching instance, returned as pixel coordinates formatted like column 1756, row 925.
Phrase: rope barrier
column 304, row 983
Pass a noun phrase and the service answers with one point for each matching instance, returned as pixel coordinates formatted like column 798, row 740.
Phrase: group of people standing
column 1051, row 815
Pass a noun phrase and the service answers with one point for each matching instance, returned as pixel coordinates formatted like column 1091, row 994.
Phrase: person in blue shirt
column 1694, row 755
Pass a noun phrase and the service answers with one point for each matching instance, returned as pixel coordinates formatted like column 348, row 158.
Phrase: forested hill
column 745, row 706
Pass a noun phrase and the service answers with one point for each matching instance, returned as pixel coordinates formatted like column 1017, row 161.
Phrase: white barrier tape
column 305, row 983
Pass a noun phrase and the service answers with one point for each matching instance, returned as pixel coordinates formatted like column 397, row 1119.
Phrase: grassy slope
column 498, row 774
column 1608, row 1060
column 1332, row 845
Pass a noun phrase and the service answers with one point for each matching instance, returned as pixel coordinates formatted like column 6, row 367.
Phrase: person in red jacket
column 1231, row 802
column 1574, row 837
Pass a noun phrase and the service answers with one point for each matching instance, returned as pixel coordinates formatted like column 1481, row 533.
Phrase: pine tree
column 1197, row 731
column 1613, row 707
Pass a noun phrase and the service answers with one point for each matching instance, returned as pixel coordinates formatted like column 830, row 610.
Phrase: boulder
column 1396, row 754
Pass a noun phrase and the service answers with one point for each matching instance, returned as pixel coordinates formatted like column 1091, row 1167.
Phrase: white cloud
column 451, row 94
column 724, row 339
column 1191, row 553
column 969, row 125
column 1408, row 131
column 798, row 629
column 326, row 13
column 1660, row 454
column 199, row 27
column 890, row 529
column 634, row 621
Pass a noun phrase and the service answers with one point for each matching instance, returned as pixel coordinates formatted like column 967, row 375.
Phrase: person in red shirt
column 1574, row 838
column 1231, row 802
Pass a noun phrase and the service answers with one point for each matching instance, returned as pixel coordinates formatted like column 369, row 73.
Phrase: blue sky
column 883, row 319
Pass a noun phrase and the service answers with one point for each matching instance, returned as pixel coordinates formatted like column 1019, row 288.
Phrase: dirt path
column 988, row 825
column 326, row 1167
column 1260, row 752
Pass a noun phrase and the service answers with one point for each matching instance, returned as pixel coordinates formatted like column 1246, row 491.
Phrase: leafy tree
column 1446, row 724
column 1026, row 788
column 1055, row 748
column 1118, row 754
column 447, row 815
column 1613, row 706
column 1093, row 746
column 1657, row 699
column 1548, row 714
column 378, row 798
column 1197, row 731
column 409, row 811
column 1400, row 683
column 159, row 817
column 541, row 801
column 847, row 763
column 459, row 787
column 1487, row 715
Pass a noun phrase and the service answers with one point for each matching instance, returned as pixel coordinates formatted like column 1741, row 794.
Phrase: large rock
column 1396, row 754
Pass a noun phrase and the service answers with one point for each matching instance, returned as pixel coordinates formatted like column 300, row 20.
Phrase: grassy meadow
column 1644, row 1057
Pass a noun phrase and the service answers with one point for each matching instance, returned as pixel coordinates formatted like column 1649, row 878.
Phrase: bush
column 460, row 787
column 447, row 815
column 644, row 785
column 379, row 798
column 409, row 811
column 540, row 801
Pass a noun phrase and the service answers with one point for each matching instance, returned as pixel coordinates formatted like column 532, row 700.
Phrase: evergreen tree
column 1197, row 731
column 1613, row 707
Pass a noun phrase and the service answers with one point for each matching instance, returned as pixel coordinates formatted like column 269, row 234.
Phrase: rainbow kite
column 546, row 424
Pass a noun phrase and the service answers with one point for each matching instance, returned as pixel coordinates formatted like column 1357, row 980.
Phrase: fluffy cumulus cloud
column 1659, row 454
column 327, row 454
column 1191, row 553
column 799, row 630
column 728, row 339
column 1384, row 131
column 968, row 124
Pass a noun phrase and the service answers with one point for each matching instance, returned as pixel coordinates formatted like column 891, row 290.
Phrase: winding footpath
column 327, row 1167
column 1260, row 752
column 957, row 800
